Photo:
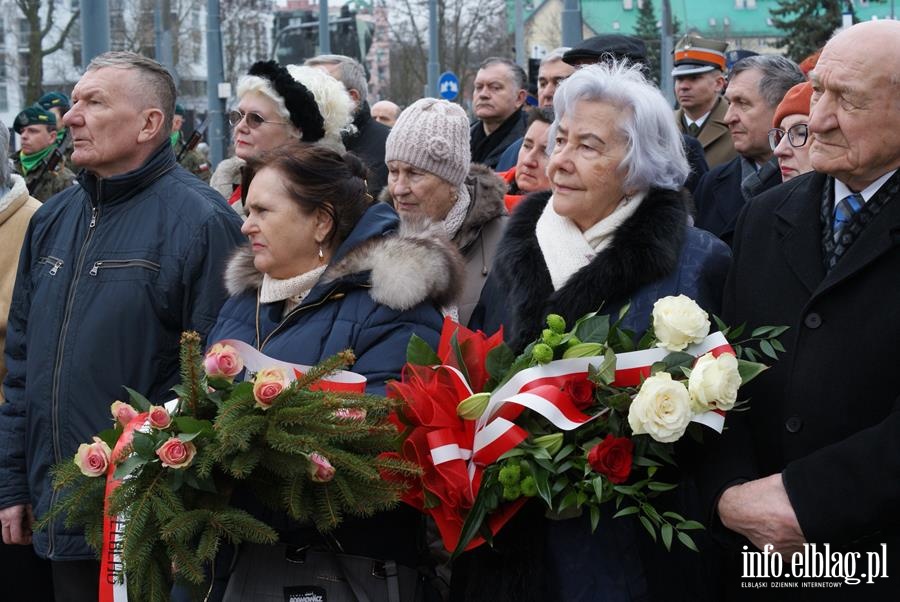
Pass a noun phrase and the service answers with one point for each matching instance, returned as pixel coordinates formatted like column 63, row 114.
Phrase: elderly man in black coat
column 816, row 459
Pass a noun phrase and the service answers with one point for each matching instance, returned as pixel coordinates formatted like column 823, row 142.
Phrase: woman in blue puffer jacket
column 327, row 269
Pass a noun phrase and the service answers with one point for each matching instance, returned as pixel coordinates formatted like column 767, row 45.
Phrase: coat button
column 813, row 320
column 793, row 424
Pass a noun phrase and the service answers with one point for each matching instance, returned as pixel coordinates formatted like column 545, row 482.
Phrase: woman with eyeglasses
column 790, row 132
column 278, row 105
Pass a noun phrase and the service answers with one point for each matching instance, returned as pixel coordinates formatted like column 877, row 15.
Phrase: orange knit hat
column 795, row 102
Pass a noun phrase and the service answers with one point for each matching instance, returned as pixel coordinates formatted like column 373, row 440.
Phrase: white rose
column 714, row 382
column 661, row 409
column 678, row 322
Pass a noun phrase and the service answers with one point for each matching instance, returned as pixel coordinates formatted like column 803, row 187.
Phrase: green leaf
column 649, row 526
column 750, row 370
column 189, row 424
column 564, row 453
column 606, row 372
column 595, row 518
column 593, row 330
column 723, row 328
column 673, row 516
column 778, row 331
column 688, row 542
column 144, row 445
column 542, row 481
column 185, row 437
column 735, row 333
column 624, row 341
column 597, row 483
column 655, row 486
column 499, row 359
column 751, row 355
column 776, row 344
column 657, row 367
column 761, row 331
column 472, row 525
column 110, row 436
column 625, row 489
column 626, row 512
column 128, row 466
column 138, row 401
column 766, row 348
column 689, row 525
column 420, row 353
column 666, row 533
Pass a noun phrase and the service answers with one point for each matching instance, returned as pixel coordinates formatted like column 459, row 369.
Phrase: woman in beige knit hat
column 430, row 176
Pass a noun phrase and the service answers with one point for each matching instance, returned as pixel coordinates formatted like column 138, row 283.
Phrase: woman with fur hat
column 430, row 177
column 278, row 105
column 325, row 271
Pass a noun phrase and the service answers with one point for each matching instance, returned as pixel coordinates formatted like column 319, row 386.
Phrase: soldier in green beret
column 38, row 161
column 58, row 103
column 189, row 159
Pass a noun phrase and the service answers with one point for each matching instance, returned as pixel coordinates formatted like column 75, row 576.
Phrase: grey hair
column 353, row 75
column 5, row 167
column 555, row 55
column 519, row 77
column 156, row 86
column 655, row 154
column 779, row 74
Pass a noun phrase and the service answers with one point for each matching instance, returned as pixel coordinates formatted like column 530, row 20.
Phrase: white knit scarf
column 457, row 214
column 566, row 249
column 291, row 290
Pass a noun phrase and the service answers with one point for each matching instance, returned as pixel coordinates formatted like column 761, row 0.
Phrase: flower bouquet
column 584, row 420
column 153, row 492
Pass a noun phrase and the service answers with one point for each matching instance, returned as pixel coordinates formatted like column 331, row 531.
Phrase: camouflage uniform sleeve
column 197, row 165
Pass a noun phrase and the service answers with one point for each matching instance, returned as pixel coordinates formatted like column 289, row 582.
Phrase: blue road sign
column 448, row 85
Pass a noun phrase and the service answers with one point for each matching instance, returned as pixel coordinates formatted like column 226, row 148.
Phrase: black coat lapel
column 800, row 230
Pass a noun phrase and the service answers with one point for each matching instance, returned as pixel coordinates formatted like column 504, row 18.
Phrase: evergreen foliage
column 808, row 24
column 177, row 518
column 646, row 29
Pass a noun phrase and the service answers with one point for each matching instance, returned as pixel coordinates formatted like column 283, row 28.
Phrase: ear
column 354, row 94
column 151, row 126
column 520, row 98
column 324, row 225
column 720, row 82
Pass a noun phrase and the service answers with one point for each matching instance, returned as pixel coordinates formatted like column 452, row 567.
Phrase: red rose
column 612, row 457
column 581, row 390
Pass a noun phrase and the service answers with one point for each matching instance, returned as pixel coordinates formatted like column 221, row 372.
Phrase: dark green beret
column 179, row 110
column 34, row 115
column 54, row 99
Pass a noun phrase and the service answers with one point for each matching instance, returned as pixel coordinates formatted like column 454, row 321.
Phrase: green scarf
column 29, row 162
column 175, row 137
column 60, row 135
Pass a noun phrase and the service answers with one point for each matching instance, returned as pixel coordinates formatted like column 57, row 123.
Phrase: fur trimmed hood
column 402, row 269
column 486, row 189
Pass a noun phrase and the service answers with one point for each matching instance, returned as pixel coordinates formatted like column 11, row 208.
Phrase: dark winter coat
column 718, row 198
column 111, row 272
column 368, row 144
column 381, row 287
column 653, row 254
column 479, row 235
column 487, row 150
column 826, row 415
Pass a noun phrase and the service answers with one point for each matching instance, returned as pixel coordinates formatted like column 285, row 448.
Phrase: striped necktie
column 844, row 211
column 693, row 129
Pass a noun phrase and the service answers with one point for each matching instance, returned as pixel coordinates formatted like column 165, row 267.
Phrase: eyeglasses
column 254, row 120
column 797, row 135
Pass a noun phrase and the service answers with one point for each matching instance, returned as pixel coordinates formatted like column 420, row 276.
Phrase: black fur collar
column 644, row 249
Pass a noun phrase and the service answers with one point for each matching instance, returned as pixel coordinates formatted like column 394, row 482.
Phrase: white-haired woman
column 613, row 230
column 278, row 105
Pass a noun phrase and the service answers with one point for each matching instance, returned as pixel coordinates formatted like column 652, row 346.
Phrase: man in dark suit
column 756, row 86
column 816, row 458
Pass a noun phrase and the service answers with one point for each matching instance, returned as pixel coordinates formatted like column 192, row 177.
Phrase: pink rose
column 159, row 417
column 223, row 361
column 320, row 469
column 92, row 459
column 122, row 412
column 267, row 385
column 350, row 414
column 176, row 453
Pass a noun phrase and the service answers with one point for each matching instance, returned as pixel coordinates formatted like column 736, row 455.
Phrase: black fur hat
column 300, row 102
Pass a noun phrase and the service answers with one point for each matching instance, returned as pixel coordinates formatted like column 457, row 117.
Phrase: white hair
column 254, row 84
column 655, row 154
column 555, row 55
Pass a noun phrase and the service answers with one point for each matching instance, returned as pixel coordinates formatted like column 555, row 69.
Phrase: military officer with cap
column 699, row 75
column 189, row 159
column 58, row 103
column 44, row 173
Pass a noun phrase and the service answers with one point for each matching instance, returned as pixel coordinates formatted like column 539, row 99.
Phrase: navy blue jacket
column 378, row 291
column 111, row 272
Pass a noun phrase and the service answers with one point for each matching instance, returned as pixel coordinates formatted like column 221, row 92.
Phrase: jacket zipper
column 327, row 297
column 123, row 263
column 56, row 262
column 57, row 368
